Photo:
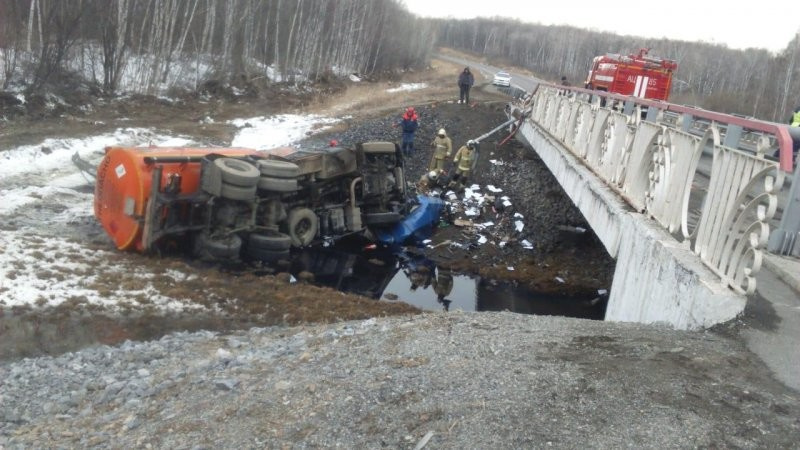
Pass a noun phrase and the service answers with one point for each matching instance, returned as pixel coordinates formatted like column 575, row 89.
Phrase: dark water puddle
column 381, row 274
column 414, row 279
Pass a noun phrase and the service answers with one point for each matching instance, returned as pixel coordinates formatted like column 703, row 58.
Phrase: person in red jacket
column 409, row 126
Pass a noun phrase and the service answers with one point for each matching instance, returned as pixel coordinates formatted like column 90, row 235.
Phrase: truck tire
column 277, row 184
column 237, row 172
column 234, row 192
column 267, row 255
column 269, row 241
column 221, row 248
column 278, row 169
column 302, row 226
column 381, row 218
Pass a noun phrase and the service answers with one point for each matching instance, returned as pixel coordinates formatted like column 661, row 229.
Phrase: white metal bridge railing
column 704, row 176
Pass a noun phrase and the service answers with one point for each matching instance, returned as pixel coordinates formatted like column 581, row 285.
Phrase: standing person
column 463, row 161
column 795, row 122
column 442, row 148
column 465, row 82
column 409, row 126
column 564, row 83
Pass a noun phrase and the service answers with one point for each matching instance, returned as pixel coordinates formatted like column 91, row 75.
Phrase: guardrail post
column 786, row 239
column 628, row 109
column 652, row 114
column 686, row 122
column 733, row 134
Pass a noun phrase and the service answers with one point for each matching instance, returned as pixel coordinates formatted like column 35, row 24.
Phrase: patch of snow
column 263, row 133
column 405, row 87
column 53, row 156
column 526, row 244
column 354, row 78
column 47, row 271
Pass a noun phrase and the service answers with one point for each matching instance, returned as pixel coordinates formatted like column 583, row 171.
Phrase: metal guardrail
column 649, row 153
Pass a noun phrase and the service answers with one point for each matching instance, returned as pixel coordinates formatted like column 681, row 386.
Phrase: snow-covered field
column 53, row 251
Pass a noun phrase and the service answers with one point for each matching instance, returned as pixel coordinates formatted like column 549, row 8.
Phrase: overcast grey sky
column 769, row 24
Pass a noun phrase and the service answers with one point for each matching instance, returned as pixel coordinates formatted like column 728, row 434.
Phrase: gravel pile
column 457, row 380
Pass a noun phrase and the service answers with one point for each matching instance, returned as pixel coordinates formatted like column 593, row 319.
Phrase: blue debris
column 417, row 224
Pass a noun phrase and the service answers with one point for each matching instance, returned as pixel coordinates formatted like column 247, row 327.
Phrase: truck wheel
column 234, row 192
column 381, row 218
column 278, row 169
column 237, row 172
column 277, row 184
column 221, row 248
column 269, row 241
column 267, row 255
column 303, row 225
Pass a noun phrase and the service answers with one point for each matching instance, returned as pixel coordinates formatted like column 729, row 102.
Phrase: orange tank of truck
column 124, row 179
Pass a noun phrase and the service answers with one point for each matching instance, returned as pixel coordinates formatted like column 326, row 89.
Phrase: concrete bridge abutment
column 657, row 279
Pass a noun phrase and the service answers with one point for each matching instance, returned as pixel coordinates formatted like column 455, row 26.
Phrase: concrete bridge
column 686, row 200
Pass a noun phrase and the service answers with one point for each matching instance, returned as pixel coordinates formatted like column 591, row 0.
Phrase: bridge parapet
column 707, row 178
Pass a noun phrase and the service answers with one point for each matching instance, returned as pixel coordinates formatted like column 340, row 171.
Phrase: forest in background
column 152, row 46
column 752, row 82
column 149, row 46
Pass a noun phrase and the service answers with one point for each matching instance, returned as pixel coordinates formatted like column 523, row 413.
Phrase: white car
column 502, row 79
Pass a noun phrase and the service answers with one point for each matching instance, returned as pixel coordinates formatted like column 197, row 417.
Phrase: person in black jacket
column 465, row 82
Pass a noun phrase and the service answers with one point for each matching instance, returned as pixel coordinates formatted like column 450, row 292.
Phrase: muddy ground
column 561, row 263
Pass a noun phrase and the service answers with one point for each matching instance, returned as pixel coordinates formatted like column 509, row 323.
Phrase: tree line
column 154, row 44
column 148, row 46
column 752, row 82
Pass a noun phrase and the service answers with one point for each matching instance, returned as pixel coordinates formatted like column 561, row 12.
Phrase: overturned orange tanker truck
column 224, row 203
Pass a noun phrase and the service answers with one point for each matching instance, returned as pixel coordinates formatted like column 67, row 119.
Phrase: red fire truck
column 638, row 75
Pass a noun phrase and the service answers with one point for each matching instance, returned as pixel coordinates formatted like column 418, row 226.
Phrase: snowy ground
column 53, row 251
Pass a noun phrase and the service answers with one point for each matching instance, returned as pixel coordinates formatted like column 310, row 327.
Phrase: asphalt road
column 517, row 80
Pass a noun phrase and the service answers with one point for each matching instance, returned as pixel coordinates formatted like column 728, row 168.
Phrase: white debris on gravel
column 264, row 132
column 406, row 87
column 498, row 222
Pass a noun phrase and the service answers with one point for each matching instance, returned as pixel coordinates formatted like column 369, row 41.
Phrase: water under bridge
column 688, row 201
